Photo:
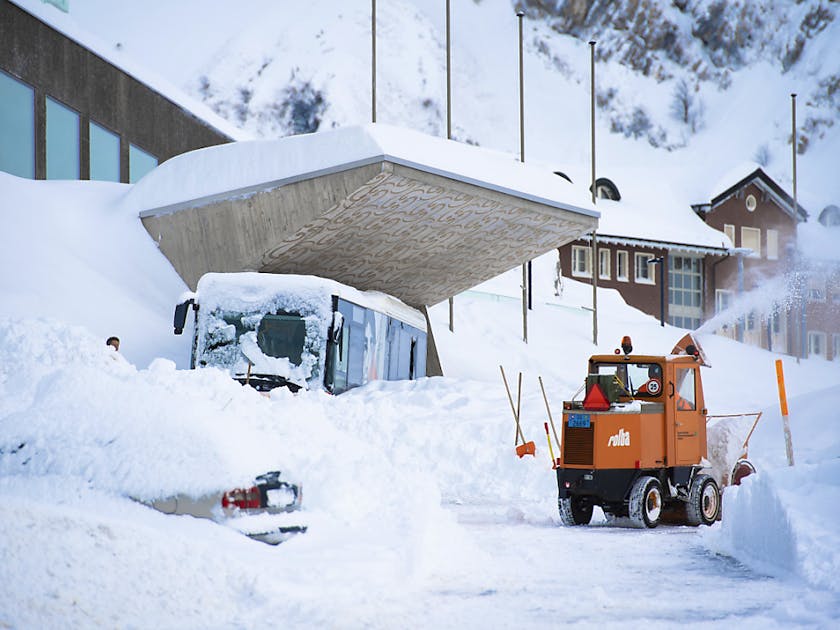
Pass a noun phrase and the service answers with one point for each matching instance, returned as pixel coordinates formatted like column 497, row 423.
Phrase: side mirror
column 337, row 326
column 181, row 316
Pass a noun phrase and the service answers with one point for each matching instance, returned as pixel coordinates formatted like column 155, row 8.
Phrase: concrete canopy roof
column 375, row 207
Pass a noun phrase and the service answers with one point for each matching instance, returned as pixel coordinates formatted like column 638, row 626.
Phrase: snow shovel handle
column 512, row 408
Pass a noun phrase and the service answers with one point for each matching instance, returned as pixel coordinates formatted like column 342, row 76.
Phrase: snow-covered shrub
column 301, row 107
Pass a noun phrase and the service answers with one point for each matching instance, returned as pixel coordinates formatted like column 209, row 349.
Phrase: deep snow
column 415, row 502
column 419, row 514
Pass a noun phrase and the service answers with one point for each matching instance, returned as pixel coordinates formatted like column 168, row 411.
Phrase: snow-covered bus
column 272, row 330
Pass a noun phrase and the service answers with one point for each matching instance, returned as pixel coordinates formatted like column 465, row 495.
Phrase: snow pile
column 69, row 253
column 783, row 520
column 88, row 415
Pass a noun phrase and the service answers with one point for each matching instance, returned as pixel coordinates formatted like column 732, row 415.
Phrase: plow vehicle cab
column 636, row 444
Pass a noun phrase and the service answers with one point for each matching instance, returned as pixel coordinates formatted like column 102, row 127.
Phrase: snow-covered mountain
column 700, row 84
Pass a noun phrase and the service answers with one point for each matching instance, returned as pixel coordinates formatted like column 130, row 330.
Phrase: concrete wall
column 58, row 67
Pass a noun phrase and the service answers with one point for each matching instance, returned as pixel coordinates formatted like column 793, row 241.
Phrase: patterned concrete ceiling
column 391, row 227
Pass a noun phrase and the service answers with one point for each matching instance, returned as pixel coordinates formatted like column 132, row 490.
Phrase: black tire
column 703, row 505
column 575, row 510
column 645, row 502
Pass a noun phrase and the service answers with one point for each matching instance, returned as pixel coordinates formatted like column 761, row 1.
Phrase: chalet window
column 723, row 299
column 776, row 319
column 621, row 263
column 816, row 289
column 751, row 238
column 581, row 261
column 772, row 245
column 604, row 264
column 729, row 230
column 685, row 282
column 644, row 269
column 816, row 343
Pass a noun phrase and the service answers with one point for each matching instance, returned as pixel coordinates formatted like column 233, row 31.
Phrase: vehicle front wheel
column 575, row 510
column 703, row 501
column 646, row 502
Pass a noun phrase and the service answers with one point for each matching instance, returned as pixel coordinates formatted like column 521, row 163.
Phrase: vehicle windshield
column 639, row 380
column 282, row 336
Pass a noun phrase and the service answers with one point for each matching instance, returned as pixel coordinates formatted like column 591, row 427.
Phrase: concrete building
column 67, row 111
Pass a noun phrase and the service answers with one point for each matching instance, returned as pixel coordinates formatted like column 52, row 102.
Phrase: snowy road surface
column 603, row 577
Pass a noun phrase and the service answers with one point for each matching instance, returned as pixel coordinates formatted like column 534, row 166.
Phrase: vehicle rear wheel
column 646, row 502
column 703, row 501
column 575, row 510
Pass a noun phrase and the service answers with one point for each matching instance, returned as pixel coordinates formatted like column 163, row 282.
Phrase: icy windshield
column 281, row 344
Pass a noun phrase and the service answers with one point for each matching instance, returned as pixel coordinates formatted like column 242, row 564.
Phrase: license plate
column 579, row 420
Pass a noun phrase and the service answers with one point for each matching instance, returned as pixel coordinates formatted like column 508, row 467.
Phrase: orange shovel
column 526, row 448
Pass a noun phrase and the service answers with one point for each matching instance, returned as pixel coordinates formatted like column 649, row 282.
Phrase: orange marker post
column 780, row 379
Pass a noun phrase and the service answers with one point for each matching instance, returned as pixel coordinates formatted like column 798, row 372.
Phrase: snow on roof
column 655, row 211
column 742, row 172
column 245, row 167
column 730, row 177
column 252, row 288
column 65, row 24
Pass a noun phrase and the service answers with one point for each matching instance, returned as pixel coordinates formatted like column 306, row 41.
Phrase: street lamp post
column 660, row 260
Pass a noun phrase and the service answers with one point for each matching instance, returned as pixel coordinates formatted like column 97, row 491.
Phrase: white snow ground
column 419, row 513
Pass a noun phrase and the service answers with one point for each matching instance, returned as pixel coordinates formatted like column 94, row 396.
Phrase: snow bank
column 73, row 408
column 69, row 253
column 783, row 520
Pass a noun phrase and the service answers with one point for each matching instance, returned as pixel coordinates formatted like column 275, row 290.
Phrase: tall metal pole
column 595, row 262
column 449, row 128
column 520, row 15
column 803, row 325
column 526, row 289
column 448, row 76
column 373, row 59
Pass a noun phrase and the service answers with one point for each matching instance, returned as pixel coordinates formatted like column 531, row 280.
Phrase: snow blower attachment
column 636, row 444
column 525, row 448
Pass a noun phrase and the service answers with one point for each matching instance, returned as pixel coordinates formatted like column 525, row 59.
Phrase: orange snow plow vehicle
column 636, row 444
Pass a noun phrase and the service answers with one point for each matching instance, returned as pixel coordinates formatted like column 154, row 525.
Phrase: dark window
column 282, row 336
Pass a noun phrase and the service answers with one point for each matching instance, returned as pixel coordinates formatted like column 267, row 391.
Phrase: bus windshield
column 282, row 336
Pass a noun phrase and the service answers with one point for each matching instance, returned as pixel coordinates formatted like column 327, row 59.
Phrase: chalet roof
column 749, row 173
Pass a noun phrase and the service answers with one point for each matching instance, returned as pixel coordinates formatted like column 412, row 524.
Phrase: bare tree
column 687, row 106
